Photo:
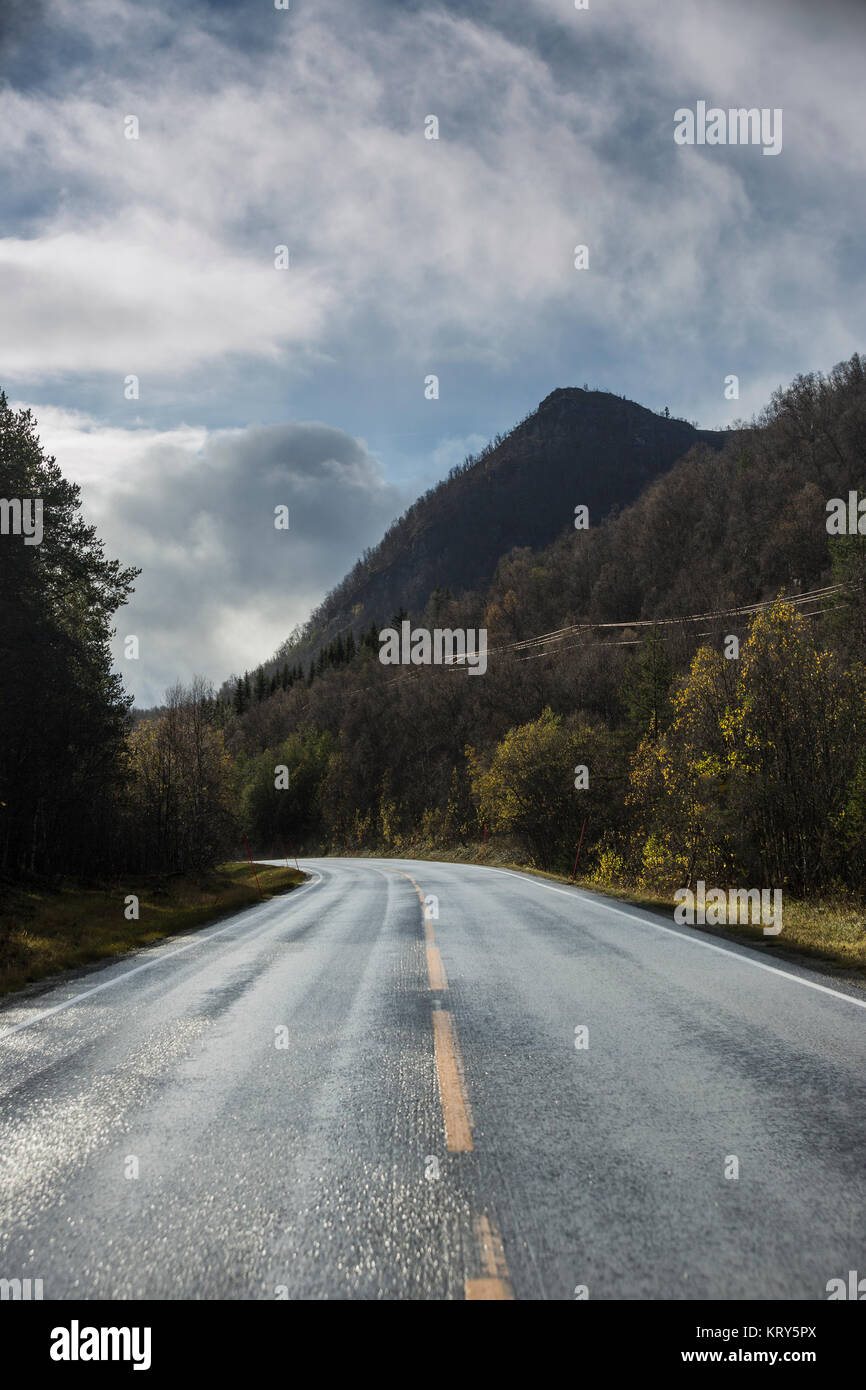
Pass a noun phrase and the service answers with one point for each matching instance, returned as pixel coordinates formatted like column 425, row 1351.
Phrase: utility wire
column 551, row 640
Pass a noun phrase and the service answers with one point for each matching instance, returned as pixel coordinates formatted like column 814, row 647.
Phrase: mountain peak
column 579, row 446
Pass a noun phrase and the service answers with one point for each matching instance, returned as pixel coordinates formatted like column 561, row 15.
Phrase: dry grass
column 830, row 930
column 44, row 931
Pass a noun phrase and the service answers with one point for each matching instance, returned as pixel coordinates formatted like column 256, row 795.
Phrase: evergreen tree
column 63, row 709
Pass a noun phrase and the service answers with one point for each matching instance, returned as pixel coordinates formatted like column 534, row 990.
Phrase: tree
column 181, row 785
column 753, row 772
column 677, row 782
column 794, row 732
column 646, row 687
column 270, row 811
column 64, row 710
column 528, row 786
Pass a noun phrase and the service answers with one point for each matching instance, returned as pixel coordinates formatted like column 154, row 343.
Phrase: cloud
column 139, row 297
column 449, row 452
column 408, row 256
column 18, row 19
column 156, row 254
column 220, row 585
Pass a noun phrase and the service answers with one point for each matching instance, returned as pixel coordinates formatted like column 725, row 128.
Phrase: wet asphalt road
column 309, row 1117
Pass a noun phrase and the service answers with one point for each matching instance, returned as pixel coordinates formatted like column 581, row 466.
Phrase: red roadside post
column 294, row 856
column 285, row 856
column 253, row 867
column 577, row 856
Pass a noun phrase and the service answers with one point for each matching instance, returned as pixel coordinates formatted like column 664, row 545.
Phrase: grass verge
column 47, row 930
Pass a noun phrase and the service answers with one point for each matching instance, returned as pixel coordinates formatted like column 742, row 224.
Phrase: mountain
column 706, row 758
column 578, row 447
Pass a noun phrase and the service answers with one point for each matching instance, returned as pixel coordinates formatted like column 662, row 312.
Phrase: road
column 328, row 1096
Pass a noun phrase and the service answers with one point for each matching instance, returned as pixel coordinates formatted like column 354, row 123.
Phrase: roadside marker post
column 577, row 856
column 253, row 867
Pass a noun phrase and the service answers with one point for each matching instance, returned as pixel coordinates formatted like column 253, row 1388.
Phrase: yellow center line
column 436, row 969
column 484, row 1290
column 458, row 1134
column 494, row 1284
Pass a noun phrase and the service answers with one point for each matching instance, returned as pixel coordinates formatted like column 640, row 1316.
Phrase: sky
column 306, row 128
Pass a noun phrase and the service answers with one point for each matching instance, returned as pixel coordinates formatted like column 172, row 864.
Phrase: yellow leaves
column 661, row 863
column 493, row 618
column 707, row 766
column 757, row 742
column 511, row 603
column 609, row 869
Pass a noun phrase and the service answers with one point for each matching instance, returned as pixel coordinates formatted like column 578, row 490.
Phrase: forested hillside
column 580, row 447
column 698, row 763
column 609, row 648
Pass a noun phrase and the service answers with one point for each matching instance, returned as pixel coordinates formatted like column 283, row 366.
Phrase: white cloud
column 155, row 255
column 139, row 296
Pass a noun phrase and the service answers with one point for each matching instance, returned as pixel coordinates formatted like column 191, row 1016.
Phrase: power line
column 550, row 641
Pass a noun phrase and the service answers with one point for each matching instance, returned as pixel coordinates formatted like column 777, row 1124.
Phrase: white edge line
column 731, row 950
column 147, row 965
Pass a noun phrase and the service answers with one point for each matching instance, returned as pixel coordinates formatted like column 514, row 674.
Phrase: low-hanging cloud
column 221, row 586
